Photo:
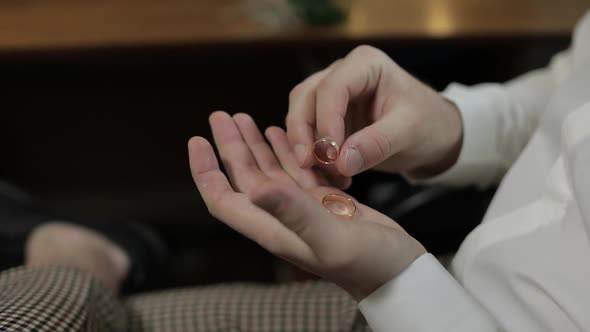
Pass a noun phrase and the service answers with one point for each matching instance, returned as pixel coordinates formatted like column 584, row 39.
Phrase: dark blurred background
column 98, row 101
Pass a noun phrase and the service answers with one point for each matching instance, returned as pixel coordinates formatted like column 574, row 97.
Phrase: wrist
column 381, row 275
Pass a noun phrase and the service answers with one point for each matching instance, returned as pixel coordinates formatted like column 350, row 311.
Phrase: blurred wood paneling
column 63, row 24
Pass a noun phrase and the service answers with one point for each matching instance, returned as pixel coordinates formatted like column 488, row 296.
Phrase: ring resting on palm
column 339, row 205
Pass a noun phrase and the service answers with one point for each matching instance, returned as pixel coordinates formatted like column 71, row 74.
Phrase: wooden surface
column 59, row 24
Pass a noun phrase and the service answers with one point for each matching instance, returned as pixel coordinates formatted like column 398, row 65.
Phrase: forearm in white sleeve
column 424, row 298
column 498, row 121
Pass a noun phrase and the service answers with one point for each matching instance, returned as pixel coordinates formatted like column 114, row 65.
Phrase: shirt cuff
column 479, row 162
column 424, row 297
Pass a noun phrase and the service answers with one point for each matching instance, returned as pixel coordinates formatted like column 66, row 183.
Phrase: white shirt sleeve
column 576, row 141
column 425, row 297
column 498, row 121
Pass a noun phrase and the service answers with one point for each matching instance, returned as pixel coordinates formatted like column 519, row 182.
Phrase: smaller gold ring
column 326, row 150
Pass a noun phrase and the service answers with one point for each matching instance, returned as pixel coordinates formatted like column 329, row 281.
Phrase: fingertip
column 273, row 131
column 341, row 166
column 344, row 183
column 350, row 161
column 194, row 140
column 201, row 155
column 197, row 142
column 277, row 138
column 217, row 114
column 242, row 117
column 303, row 147
column 301, row 154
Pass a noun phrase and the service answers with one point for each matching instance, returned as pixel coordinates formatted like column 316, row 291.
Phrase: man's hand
column 274, row 202
column 379, row 114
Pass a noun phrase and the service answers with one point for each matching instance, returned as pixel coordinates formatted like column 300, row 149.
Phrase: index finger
column 357, row 76
column 301, row 117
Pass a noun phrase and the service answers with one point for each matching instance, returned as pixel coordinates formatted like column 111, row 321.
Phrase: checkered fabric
column 306, row 307
column 64, row 299
column 57, row 299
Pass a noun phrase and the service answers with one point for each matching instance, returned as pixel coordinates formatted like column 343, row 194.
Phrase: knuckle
column 365, row 51
column 297, row 91
column 335, row 64
column 292, row 137
column 288, row 120
column 372, row 55
column 292, row 122
column 326, row 87
column 413, row 122
column 382, row 143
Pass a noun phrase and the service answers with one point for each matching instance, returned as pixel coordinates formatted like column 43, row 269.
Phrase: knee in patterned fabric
column 57, row 299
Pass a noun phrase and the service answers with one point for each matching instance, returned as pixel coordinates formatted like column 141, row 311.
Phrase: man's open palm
column 274, row 202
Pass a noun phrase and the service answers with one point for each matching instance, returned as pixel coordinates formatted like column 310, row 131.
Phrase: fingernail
column 300, row 153
column 353, row 161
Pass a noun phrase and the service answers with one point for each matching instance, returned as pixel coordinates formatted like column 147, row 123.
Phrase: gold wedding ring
column 326, row 150
column 339, row 205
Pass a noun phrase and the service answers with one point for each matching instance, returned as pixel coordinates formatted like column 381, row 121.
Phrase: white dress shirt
column 526, row 267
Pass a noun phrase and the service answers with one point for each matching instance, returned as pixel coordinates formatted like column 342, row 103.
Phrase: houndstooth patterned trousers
column 66, row 299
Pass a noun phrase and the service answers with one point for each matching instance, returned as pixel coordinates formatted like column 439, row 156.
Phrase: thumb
column 302, row 214
column 369, row 147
